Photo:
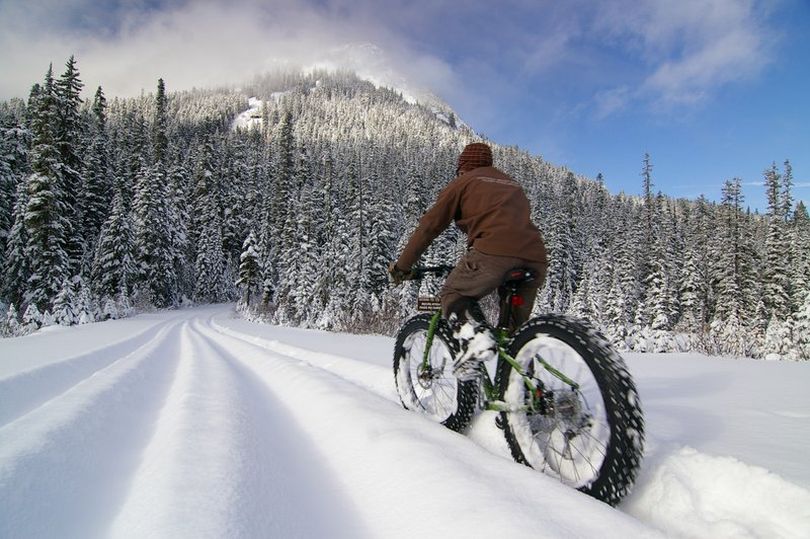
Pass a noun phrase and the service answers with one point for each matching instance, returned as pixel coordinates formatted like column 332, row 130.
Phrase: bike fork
column 434, row 323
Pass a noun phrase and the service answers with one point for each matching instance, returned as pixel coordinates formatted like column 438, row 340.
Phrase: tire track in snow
column 218, row 418
column 403, row 454
column 372, row 378
column 27, row 390
column 64, row 465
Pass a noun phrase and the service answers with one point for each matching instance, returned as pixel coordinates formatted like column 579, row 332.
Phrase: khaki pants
column 477, row 274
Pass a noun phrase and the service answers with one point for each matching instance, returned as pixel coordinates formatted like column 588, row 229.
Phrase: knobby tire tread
column 625, row 447
column 467, row 393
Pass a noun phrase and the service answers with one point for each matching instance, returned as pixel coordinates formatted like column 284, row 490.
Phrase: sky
column 711, row 89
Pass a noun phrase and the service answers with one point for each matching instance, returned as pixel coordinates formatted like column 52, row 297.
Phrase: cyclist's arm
column 433, row 223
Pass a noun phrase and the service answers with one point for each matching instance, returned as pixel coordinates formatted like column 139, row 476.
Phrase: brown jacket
column 488, row 206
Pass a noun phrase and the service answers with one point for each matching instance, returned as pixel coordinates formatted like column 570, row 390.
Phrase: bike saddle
column 519, row 275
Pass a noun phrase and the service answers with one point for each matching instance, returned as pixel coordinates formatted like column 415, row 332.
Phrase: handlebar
column 419, row 272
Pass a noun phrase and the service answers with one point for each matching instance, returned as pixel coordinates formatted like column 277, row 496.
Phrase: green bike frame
column 494, row 400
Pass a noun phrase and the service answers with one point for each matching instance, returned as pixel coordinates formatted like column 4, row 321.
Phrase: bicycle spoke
column 446, row 393
column 586, row 459
column 599, row 445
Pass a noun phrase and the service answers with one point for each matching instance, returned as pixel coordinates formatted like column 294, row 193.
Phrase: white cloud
column 610, row 101
column 475, row 54
column 689, row 48
column 189, row 44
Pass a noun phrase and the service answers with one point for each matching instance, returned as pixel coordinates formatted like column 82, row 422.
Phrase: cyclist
column 492, row 209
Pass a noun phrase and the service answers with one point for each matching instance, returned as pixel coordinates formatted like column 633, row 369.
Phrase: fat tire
column 617, row 473
column 465, row 394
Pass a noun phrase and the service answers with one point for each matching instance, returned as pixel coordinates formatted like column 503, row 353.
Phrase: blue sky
column 712, row 89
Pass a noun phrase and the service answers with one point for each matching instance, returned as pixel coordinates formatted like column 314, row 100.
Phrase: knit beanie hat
column 474, row 155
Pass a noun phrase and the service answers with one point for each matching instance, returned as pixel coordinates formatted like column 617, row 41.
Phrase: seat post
column 506, row 307
column 513, row 280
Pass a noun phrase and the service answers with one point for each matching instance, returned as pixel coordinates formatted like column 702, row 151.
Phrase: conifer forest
column 292, row 193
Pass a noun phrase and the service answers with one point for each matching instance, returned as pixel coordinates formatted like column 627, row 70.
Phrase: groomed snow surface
column 196, row 424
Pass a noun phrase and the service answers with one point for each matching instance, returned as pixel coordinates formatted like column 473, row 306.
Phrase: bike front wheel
column 424, row 375
column 576, row 414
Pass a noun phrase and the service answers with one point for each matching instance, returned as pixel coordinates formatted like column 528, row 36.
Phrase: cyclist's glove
column 398, row 275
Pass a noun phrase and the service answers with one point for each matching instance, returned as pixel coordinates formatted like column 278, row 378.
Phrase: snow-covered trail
column 193, row 424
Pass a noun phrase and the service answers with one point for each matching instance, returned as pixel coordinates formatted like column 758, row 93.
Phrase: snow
column 196, row 424
column 251, row 118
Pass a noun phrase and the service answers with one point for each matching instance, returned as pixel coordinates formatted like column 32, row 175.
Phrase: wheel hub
column 568, row 406
column 425, row 375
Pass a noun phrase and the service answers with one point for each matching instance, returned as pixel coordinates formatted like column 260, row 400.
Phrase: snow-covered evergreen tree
column 11, row 325
column 68, row 132
column 13, row 168
column 96, row 192
column 31, row 319
column 249, row 269
column 153, row 242
column 47, row 225
column 561, row 241
column 775, row 279
column 114, row 261
column 801, row 330
column 211, row 283
column 64, row 306
column 16, row 266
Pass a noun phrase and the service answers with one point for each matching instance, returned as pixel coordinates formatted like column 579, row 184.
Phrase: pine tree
column 155, row 214
column 16, row 267
column 109, row 310
column 800, row 255
column 801, row 330
column 68, row 135
column 46, row 214
column 153, row 248
column 160, row 138
column 283, row 170
column 86, row 308
column 64, row 308
column 786, row 195
column 13, row 168
column 776, row 286
column 381, row 249
column 561, row 244
column 96, row 193
column 32, row 318
column 359, row 233
column 179, row 221
column 114, row 261
column 12, row 326
column 695, row 282
column 727, row 325
column 249, row 268
column 210, row 259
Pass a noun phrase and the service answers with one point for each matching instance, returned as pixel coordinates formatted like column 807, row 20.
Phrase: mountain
column 371, row 63
column 328, row 173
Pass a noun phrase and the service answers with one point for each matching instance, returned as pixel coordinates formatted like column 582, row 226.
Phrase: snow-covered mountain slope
column 195, row 424
column 370, row 62
column 344, row 65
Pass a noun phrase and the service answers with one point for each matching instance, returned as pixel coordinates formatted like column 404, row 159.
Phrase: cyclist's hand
column 398, row 275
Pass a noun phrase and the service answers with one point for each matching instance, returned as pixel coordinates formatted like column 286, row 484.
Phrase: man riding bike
column 492, row 209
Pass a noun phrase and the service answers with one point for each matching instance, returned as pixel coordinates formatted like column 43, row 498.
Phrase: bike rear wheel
column 583, row 424
column 431, row 388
